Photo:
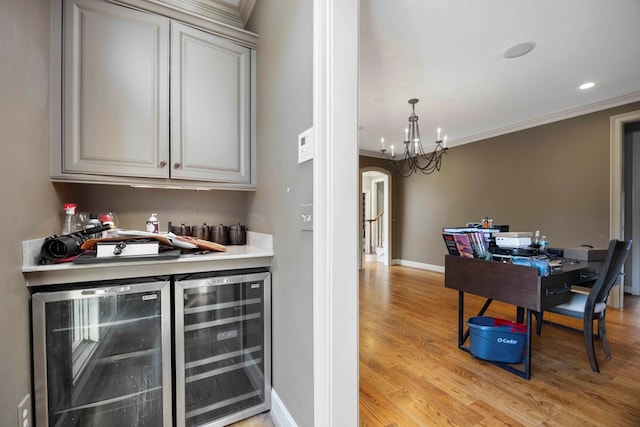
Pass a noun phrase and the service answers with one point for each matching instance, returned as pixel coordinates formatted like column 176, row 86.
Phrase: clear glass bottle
column 93, row 222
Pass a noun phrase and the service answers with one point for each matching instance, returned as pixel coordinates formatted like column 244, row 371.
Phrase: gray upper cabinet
column 116, row 83
column 210, row 106
column 150, row 101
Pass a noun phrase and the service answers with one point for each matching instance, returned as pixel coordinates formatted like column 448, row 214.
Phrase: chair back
column 611, row 269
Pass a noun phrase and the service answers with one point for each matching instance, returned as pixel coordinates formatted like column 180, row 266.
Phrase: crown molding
column 538, row 121
column 220, row 17
column 234, row 13
column 549, row 118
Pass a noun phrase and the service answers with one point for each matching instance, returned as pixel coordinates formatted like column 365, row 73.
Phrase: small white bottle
column 536, row 238
column 152, row 223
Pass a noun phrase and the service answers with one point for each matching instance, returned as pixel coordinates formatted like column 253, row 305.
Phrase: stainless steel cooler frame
column 234, row 278
column 92, row 290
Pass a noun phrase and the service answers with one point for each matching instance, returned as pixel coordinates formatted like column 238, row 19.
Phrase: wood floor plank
column 376, row 405
column 412, row 373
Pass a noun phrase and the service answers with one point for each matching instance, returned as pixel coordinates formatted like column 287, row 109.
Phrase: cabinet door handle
column 163, row 164
column 176, row 165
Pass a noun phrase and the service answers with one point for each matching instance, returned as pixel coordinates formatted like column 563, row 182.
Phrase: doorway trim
column 388, row 209
column 335, row 213
column 616, row 204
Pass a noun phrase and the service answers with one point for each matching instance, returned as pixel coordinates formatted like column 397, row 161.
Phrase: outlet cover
column 24, row 412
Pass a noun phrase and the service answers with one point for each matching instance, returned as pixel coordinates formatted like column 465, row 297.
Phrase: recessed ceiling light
column 519, row 49
column 587, row 85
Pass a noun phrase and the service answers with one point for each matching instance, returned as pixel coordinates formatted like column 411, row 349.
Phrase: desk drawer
column 556, row 288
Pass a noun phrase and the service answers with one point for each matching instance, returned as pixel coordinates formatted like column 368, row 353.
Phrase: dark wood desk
column 513, row 284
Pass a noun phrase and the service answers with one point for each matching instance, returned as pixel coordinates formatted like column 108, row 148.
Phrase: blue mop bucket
column 497, row 340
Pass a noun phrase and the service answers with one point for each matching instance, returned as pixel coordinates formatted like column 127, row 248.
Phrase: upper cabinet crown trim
column 232, row 12
column 225, row 18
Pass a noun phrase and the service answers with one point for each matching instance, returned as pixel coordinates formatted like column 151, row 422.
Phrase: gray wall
column 133, row 206
column 553, row 178
column 29, row 200
column 285, row 109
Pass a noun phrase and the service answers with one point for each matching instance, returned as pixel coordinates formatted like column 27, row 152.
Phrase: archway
column 375, row 215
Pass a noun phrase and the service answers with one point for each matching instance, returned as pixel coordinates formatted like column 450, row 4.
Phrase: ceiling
column 449, row 55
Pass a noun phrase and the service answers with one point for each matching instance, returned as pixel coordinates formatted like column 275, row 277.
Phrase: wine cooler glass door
column 102, row 356
column 222, row 351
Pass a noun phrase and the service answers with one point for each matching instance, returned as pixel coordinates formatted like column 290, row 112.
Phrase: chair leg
column 588, row 341
column 602, row 332
column 539, row 315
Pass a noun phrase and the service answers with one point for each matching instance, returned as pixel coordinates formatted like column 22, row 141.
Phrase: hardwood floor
column 260, row 420
column 413, row 374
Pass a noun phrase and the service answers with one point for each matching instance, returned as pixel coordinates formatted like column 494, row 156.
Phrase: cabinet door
column 210, row 107
column 116, row 90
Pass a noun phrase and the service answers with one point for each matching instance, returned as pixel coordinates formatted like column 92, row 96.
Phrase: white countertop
column 256, row 253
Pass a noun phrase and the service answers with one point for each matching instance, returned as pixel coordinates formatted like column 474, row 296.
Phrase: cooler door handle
column 104, row 291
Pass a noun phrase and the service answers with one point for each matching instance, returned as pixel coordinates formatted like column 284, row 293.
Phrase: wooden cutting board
column 203, row 244
column 206, row 245
column 90, row 244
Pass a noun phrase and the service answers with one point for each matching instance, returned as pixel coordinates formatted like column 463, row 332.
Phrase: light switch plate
column 306, row 217
column 305, row 146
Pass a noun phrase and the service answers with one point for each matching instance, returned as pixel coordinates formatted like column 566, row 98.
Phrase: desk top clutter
column 495, row 242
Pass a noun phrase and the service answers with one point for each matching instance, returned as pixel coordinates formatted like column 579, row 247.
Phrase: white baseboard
column 279, row 414
column 420, row 265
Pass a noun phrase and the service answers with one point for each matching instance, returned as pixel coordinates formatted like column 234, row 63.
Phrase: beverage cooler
column 102, row 355
column 222, row 338
column 107, row 354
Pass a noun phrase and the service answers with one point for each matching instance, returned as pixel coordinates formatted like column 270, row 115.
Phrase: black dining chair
column 593, row 306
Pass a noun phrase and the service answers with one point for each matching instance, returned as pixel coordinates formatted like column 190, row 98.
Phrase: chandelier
column 414, row 158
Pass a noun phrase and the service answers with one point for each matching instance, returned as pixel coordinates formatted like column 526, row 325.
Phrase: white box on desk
column 514, row 234
column 513, row 242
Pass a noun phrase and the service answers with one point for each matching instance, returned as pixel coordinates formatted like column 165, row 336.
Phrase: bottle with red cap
column 107, row 219
column 69, row 218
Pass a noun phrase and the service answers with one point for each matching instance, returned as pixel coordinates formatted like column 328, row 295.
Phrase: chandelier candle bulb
column 392, row 152
column 382, row 142
column 439, row 130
